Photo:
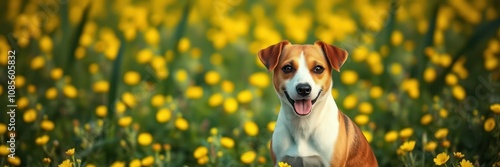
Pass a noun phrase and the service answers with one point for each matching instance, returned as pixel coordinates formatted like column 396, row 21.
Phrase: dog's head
column 302, row 73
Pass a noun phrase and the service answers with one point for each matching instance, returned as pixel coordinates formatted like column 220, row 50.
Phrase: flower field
column 174, row 83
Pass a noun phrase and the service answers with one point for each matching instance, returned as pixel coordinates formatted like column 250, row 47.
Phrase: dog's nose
column 303, row 89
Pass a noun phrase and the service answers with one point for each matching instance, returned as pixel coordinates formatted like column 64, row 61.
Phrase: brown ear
column 270, row 55
column 336, row 56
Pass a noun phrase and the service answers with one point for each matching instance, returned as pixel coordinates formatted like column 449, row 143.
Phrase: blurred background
column 173, row 83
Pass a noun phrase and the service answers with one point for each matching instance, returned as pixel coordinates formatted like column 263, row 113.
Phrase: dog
column 310, row 129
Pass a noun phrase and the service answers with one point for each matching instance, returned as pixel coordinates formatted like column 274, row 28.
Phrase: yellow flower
column 451, row 79
column 244, row 96
column 283, row 164
column 349, row 77
column 441, row 158
column 157, row 100
column 466, row 163
column 47, row 125
column 227, row 86
column 152, row 36
column 46, row 161
column 163, row 115
column 56, row 73
column 184, row 45
column 42, row 140
column 361, row 119
column 22, row 102
column 4, row 150
column 227, row 142
column 430, row 146
column 458, row 92
column 360, row 54
column 212, row 77
column 118, row 164
column 120, row 107
column 3, row 128
column 429, row 75
column 181, row 75
column 70, row 91
column 125, row 121
column 101, row 111
column 200, row 152
column 93, row 68
column 259, row 79
column 489, row 124
column 70, row 152
column 495, row 108
column 203, row 160
column 37, row 63
column 132, row 78
column 144, row 139
column 251, row 129
column 46, row 44
column 446, row 143
column 248, row 157
column 406, row 132
column 129, row 99
column 101, row 87
column 426, row 119
column 365, row 108
column 80, row 52
column 458, row 155
column 230, row 105
column 215, row 100
column 20, row 81
column 441, row 133
column 148, row 161
column 144, row 56
column 16, row 161
column 391, row 136
column 397, row 38
column 135, row 163
column 408, row 146
column 443, row 113
column 368, row 135
column 396, row 68
column 29, row 116
column 271, row 125
column 181, row 124
column 350, row 101
column 194, row 92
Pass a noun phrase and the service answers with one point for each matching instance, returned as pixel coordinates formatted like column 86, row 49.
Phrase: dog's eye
column 287, row 69
column 318, row 69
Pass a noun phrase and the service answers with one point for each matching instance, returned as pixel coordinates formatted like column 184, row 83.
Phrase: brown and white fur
column 310, row 130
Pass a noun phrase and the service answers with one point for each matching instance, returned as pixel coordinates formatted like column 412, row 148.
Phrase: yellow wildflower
column 129, row 99
column 227, row 142
column 163, row 115
column 101, row 111
column 443, row 113
column 37, row 62
column 70, row 152
column 135, row 163
column 489, row 124
column 349, row 77
column 152, row 36
column 466, row 163
column 396, row 68
column 22, row 102
column 132, row 78
column 215, row 100
column 451, row 79
column 271, row 125
column 391, row 136
column 70, row 91
column 248, row 157
column 181, row 75
column 441, row 158
column 426, row 119
column 230, row 105
column 458, row 92
column 429, row 75
column 125, row 121
column 365, row 108
column 200, row 152
column 144, row 56
column 93, row 68
column 47, row 125
column 430, row 146
column 227, row 86
column 408, row 146
column 361, row 119
column 29, row 116
column 495, row 108
column 441, row 133
column 212, row 77
column 184, row 44
column 47, row 161
column 368, row 135
column 42, row 140
column 259, row 79
column 283, row 164
column 360, row 54
column 16, row 161
column 148, row 161
column 120, row 107
column 458, row 155
column 194, row 92
column 56, row 73
column 350, row 101
column 4, row 150
column 244, row 96
column 203, row 160
column 251, row 128
column 118, row 164
column 406, row 132
column 397, row 37
column 157, row 100
column 3, row 128
column 144, row 139
column 446, row 143
column 181, row 124
column 101, row 87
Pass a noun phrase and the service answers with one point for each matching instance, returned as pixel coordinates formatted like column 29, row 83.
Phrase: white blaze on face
column 302, row 104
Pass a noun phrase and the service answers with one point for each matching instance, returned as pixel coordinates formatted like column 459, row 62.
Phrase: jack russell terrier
column 310, row 130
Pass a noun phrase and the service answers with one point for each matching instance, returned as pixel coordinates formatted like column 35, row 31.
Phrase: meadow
column 173, row 83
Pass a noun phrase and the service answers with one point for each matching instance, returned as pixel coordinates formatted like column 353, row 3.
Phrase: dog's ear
column 270, row 55
column 336, row 56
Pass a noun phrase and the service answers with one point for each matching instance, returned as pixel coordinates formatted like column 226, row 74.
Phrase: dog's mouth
column 302, row 107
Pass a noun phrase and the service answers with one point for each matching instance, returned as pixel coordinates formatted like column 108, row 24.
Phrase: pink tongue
column 303, row 107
